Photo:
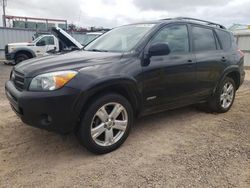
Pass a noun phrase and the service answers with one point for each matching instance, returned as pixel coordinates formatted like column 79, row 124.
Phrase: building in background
column 42, row 24
column 242, row 36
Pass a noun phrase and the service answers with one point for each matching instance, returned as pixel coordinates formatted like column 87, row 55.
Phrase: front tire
column 20, row 57
column 106, row 123
column 224, row 96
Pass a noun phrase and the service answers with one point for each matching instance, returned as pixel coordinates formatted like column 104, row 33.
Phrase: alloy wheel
column 227, row 95
column 109, row 124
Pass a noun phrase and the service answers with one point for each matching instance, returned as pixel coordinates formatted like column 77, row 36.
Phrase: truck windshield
column 37, row 39
column 121, row 39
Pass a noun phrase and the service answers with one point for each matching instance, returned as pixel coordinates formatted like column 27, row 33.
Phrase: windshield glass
column 88, row 38
column 37, row 39
column 121, row 39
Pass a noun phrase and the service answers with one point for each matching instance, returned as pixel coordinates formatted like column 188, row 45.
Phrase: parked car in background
column 58, row 41
column 89, row 37
column 128, row 72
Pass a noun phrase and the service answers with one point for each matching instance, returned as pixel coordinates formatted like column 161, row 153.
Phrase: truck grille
column 6, row 49
column 18, row 80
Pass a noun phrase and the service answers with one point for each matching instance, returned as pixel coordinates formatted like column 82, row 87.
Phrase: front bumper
column 53, row 111
column 9, row 56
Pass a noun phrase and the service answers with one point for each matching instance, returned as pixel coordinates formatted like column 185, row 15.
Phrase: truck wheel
column 224, row 96
column 20, row 57
column 106, row 124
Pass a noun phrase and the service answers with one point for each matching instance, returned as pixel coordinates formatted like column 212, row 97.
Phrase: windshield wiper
column 97, row 50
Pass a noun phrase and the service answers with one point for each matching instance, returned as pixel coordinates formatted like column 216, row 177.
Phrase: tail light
column 241, row 53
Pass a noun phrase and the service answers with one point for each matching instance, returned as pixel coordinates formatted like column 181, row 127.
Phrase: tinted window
column 175, row 36
column 225, row 39
column 203, row 39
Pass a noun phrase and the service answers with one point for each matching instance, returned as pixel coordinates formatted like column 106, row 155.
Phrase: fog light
column 46, row 119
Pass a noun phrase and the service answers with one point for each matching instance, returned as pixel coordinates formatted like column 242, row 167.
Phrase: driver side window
column 47, row 40
column 175, row 36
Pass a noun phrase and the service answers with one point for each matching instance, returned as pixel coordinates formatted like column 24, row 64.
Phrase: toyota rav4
column 130, row 71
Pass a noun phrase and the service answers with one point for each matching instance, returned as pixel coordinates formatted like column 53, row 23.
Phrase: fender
column 24, row 49
column 228, row 70
column 111, row 84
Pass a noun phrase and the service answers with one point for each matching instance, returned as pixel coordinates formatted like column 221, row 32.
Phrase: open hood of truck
column 64, row 37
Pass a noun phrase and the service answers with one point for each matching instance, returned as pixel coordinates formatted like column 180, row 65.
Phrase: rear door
column 210, row 58
column 170, row 79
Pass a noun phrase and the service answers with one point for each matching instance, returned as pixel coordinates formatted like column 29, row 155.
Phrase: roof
column 188, row 20
column 194, row 20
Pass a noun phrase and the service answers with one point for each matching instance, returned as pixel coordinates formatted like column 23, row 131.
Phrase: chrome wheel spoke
column 224, row 103
column 102, row 114
column 116, row 111
column 224, row 88
column 120, row 125
column 230, row 89
column 97, row 131
column 109, row 136
column 222, row 97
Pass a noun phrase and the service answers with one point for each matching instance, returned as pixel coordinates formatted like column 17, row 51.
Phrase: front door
column 170, row 79
column 45, row 44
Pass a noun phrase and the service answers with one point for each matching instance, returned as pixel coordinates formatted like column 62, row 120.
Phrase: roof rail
column 198, row 20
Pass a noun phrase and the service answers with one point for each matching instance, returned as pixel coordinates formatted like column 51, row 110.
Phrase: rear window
column 203, row 39
column 225, row 39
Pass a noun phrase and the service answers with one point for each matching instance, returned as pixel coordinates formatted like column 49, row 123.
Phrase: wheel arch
column 231, row 72
column 125, row 87
column 27, row 52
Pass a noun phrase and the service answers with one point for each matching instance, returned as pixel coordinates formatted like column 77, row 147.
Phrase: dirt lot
column 180, row 148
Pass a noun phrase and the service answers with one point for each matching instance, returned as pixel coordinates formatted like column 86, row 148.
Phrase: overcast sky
column 111, row 13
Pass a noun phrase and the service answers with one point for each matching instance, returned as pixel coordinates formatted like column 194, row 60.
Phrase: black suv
column 130, row 71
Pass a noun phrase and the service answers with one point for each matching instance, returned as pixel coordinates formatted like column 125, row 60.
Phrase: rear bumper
column 242, row 77
column 53, row 111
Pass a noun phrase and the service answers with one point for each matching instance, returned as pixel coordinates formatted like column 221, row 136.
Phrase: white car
column 60, row 40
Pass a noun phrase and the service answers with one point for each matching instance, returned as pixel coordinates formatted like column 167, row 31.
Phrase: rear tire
column 21, row 57
column 223, row 98
column 106, row 123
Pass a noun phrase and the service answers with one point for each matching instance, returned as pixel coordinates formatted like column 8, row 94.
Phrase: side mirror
column 159, row 49
column 41, row 43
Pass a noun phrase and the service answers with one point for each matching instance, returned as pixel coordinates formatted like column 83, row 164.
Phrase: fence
column 243, row 42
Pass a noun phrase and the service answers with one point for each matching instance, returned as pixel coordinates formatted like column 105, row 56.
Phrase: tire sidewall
column 84, row 131
column 25, row 57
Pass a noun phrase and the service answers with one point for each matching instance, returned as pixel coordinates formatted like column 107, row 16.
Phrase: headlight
column 51, row 81
column 11, row 48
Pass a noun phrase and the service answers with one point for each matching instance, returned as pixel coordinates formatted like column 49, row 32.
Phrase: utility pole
column 4, row 14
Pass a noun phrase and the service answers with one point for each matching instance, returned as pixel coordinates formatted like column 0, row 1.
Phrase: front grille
column 18, row 80
column 6, row 49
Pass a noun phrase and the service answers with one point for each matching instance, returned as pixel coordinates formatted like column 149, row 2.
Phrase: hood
column 20, row 44
column 64, row 37
column 68, row 61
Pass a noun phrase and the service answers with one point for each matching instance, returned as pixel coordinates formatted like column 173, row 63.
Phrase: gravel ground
column 180, row 148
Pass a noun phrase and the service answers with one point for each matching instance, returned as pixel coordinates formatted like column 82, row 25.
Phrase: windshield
column 37, row 39
column 88, row 38
column 121, row 39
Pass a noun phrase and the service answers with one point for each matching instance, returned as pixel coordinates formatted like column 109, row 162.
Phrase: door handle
column 189, row 63
column 223, row 59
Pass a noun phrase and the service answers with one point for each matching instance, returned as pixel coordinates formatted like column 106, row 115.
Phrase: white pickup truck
column 59, row 40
